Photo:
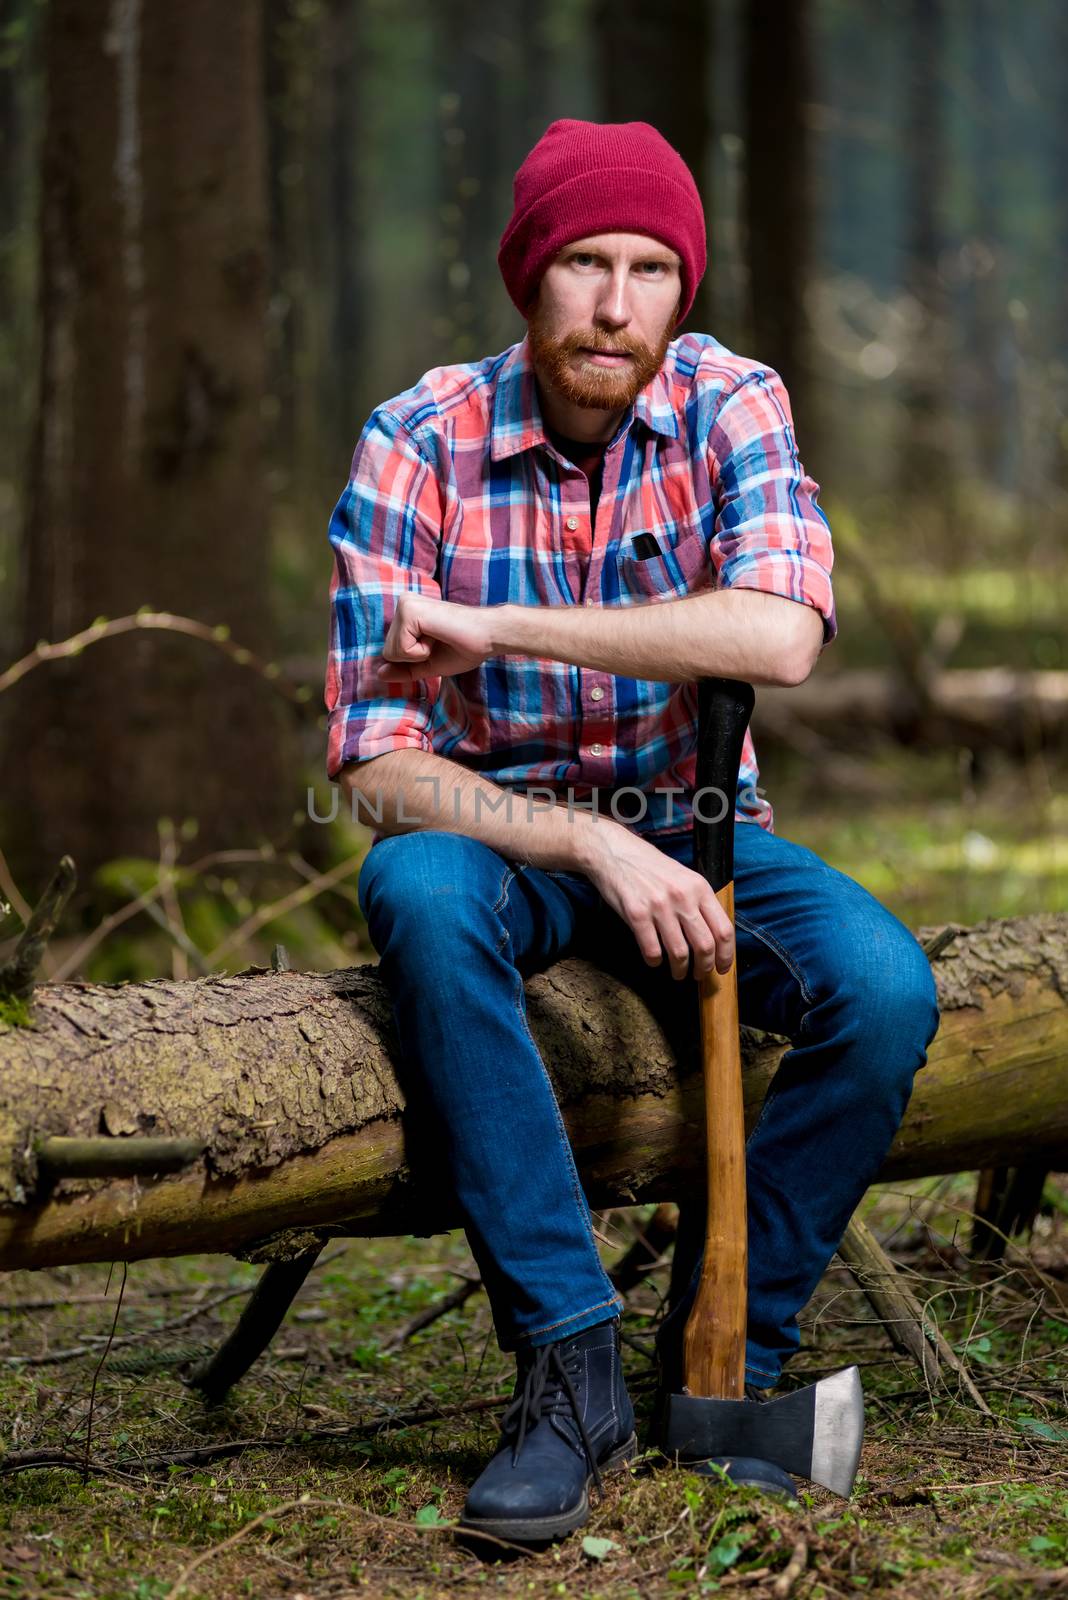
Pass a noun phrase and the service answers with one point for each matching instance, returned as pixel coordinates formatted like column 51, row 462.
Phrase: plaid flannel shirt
column 455, row 490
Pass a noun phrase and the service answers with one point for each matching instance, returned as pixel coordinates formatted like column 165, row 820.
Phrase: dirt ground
column 338, row 1466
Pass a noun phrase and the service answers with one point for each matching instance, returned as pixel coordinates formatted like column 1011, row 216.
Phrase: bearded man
column 537, row 557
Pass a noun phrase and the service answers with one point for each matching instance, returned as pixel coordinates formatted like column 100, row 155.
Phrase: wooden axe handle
column 714, row 1338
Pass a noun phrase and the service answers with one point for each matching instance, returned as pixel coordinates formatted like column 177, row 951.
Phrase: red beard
column 596, row 388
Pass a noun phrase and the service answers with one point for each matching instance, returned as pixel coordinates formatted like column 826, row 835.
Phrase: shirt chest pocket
column 655, row 566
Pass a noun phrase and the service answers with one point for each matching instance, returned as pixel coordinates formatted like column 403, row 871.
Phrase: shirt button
column 596, row 749
column 589, row 602
column 597, row 693
column 571, row 524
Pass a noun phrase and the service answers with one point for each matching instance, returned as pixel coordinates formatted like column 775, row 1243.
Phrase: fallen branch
column 272, row 1297
column 648, row 1248
column 986, row 706
column 430, row 1314
column 900, row 1312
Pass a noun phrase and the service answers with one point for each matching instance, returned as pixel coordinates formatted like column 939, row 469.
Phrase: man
column 537, row 557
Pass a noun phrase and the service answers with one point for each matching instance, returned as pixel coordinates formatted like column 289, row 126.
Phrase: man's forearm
column 406, row 790
column 733, row 633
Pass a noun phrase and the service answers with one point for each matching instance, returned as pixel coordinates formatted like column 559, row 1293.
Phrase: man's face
column 603, row 318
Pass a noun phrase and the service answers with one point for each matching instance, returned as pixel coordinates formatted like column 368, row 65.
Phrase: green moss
column 15, row 1012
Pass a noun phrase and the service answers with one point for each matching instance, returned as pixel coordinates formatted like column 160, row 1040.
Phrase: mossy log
column 289, row 1082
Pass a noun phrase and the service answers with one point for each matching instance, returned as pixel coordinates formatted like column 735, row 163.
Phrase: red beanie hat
column 600, row 177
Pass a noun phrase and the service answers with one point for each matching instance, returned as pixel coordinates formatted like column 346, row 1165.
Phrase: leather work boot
column 746, row 1470
column 570, row 1421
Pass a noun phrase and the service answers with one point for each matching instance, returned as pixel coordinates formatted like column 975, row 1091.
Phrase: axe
column 814, row 1432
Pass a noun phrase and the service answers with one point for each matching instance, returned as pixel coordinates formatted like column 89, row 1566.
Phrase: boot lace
column 547, row 1391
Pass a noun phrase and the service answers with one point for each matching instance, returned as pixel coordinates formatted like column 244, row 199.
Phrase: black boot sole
column 544, row 1530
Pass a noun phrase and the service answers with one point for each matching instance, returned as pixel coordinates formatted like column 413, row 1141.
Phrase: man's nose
column 613, row 306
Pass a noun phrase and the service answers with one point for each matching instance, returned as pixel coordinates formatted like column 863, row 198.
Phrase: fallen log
column 288, row 1082
column 998, row 706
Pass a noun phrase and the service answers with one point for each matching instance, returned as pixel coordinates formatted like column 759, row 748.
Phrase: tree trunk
column 20, row 118
column 653, row 66
column 927, row 457
column 778, row 200
column 289, row 1081
column 147, row 483
column 314, row 84
column 471, row 49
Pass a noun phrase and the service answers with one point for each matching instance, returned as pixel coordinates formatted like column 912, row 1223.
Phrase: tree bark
column 290, row 1080
column 147, row 481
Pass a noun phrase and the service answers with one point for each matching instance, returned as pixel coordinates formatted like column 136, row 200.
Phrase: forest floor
column 312, row 1481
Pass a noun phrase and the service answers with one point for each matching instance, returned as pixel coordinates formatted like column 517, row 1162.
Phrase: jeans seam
column 795, row 972
column 499, row 905
column 783, row 954
column 765, row 1372
column 549, row 1326
column 576, row 1185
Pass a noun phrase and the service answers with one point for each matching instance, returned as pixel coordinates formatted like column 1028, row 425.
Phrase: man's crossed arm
column 741, row 633
column 732, row 633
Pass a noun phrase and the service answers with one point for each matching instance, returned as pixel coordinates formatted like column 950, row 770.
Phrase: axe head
column 815, row 1432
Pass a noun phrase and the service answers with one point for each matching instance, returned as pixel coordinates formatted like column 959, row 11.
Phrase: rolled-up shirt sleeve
column 385, row 531
column 770, row 533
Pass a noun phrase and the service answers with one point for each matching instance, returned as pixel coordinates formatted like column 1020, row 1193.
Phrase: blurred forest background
column 228, row 231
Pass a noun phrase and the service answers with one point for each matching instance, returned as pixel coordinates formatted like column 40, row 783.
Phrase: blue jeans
column 458, row 928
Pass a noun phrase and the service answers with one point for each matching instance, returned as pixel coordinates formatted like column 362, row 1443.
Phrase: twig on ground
column 900, row 1312
column 96, row 1375
column 308, row 1502
column 198, row 1455
column 792, row 1571
column 423, row 1319
column 990, row 1483
column 53, row 1358
column 12, row 1307
column 24, row 1460
column 304, row 1501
